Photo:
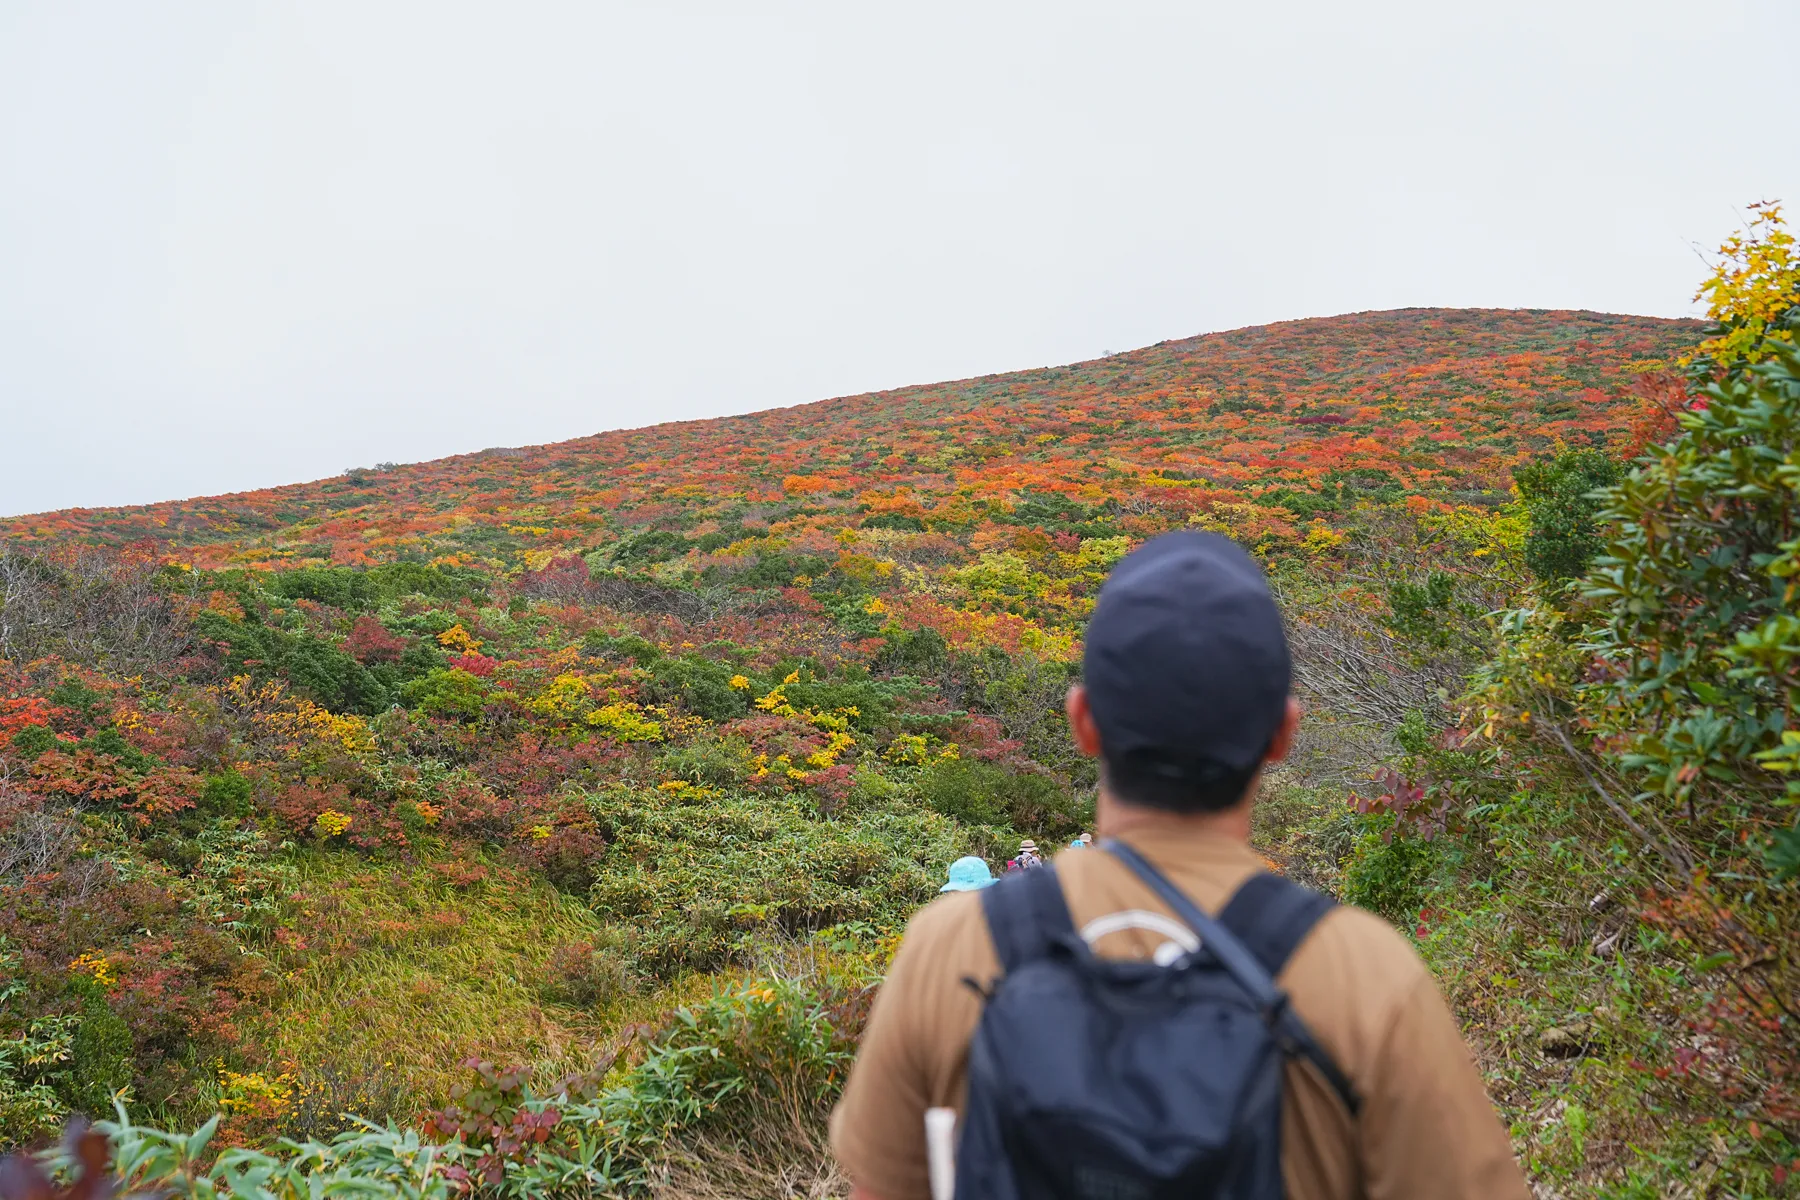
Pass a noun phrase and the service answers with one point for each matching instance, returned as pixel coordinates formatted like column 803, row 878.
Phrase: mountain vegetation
column 539, row 821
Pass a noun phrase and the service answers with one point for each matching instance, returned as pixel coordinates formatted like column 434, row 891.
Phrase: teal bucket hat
column 969, row 874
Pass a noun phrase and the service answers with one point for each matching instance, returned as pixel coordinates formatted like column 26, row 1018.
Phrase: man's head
column 1186, row 675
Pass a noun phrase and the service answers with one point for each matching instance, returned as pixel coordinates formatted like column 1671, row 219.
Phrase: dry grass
column 398, row 967
column 795, row 1165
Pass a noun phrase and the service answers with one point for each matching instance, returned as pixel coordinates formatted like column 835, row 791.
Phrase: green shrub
column 979, row 793
column 312, row 665
column 100, row 1056
column 628, row 645
column 33, row 740
column 1388, row 875
column 226, row 794
column 650, row 546
column 451, row 693
column 111, row 742
column 340, row 587
column 709, row 760
column 1561, row 504
column 698, row 882
column 701, row 686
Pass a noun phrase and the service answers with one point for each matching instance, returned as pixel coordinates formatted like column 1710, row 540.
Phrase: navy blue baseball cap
column 1186, row 668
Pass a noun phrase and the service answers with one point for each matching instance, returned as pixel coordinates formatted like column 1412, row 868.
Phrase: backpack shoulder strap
column 1271, row 916
column 1247, row 967
column 1025, row 913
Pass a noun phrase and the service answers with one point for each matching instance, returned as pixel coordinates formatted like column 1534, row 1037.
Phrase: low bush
column 979, row 793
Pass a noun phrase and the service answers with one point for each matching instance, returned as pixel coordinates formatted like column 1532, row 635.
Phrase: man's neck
column 1116, row 818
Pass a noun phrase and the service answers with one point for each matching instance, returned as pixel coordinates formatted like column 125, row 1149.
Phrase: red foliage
column 18, row 712
column 370, row 642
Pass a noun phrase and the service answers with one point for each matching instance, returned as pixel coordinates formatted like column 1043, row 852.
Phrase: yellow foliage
column 626, row 722
column 863, row 568
column 273, row 710
column 908, row 748
column 458, row 638
column 565, row 697
column 1756, row 280
column 331, row 822
column 837, row 741
column 254, row 1094
column 1321, row 539
column 776, row 702
column 1482, row 532
column 95, row 967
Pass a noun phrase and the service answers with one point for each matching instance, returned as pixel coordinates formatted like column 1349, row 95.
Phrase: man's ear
column 1283, row 741
column 1081, row 722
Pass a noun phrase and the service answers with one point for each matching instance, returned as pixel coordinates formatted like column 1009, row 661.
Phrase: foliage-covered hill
column 1292, row 420
column 623, row 760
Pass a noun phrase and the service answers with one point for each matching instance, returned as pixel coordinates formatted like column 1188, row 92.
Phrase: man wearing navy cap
column 1185, row 699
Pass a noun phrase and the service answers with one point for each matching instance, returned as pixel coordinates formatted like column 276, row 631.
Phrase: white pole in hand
column 940, row 1151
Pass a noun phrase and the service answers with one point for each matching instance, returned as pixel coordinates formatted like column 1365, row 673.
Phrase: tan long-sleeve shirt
column 1426, row 1130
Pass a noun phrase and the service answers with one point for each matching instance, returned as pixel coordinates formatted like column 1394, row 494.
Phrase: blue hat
column 968, row 874
column 1186, row 664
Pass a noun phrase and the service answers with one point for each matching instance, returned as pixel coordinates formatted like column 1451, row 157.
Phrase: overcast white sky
column 244, row 244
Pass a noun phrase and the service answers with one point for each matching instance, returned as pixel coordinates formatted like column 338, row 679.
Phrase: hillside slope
column 624, row 760
column 1442, row 402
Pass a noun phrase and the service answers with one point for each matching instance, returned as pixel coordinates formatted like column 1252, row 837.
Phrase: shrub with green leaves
column 979, row 793
column 1668, row 688
column 1561, row 503
column 1699, row 634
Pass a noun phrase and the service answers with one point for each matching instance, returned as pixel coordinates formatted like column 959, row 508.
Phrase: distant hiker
column 1028, row 855
column 1078, row 844
column 1216, row 1030
column 968, row 874
column 1086, row 839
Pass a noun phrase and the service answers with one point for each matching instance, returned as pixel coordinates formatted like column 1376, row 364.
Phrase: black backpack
column 1098, row 1079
